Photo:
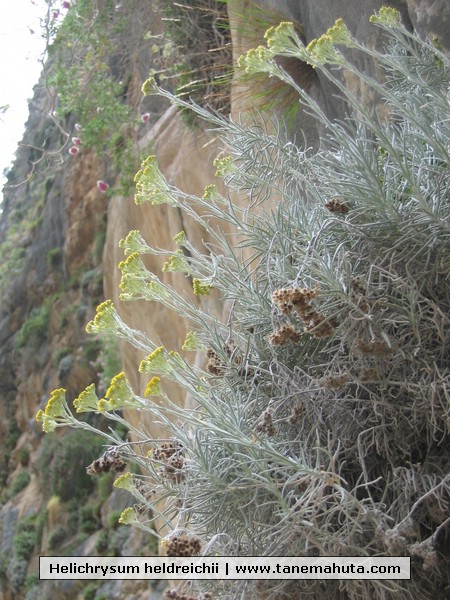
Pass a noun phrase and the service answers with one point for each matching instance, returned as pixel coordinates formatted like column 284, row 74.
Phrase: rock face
column 54, row 224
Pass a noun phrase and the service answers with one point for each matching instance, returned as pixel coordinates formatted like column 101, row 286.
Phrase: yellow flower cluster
column 106, row 319
column 149, row 87
column 138, row 282
column 200, row 288
column 125, row 482
column 180, row 238
column 192, row 343
column 134, row 266
column 322, row 51
column 129, row 517
column 386, row 16
column 211, row 193
column 156, row 362
column 134, row 243
column 87, row 401
column 120, row 395
column 56, row 412
column 154, row 387
column 257, row 60
column 151, row 184
column 283, row 40
column 224, row 167
column 177, row 262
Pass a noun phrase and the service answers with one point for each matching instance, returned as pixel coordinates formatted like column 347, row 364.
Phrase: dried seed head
column 109, row 461
column 334, row 382
column 266, row 424
column 296, row 414
column 358, row 295
column 282, row 298
column 285, row 334
column 358, row 287
column 181, row 545
column 171, row 454
column 288, row 298
column 369, row 375
column 375, row 348
column 214, row 366
column 337, row 206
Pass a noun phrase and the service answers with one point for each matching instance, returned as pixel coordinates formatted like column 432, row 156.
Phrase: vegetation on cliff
column 321, row 424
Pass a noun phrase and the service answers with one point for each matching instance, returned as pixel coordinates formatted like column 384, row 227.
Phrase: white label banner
column 228, row 567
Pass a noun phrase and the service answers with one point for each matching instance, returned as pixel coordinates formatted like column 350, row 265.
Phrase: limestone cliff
column 59, row 236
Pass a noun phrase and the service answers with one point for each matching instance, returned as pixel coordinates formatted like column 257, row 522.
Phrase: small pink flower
column 145, row 117
column 55, row 14
column 66, row 4
column 73, row 150
column 76, row 141
column 102, row 186
column 78, row 127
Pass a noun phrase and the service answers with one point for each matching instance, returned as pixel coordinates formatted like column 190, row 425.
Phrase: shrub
column 20, row 482
column 57, row 536
column 34, row 329
column 23, row 544
column 90, row 591
column 63, row 461
column 323, row 410
column 89, row 519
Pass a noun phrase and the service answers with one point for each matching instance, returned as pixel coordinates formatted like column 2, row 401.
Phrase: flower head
column 177, row 262
column 224, row 166
column 211, row 194
column 386, row 16
column 133, row 485
column 180, row 238
column 155, row 290
column 132, row 288
column 145, row 117
column 154, row 387
column 56, row 405
column 180, row 544
column 129, row 517
column 48, row 423
column 192, row 343
column 257, row 60
column 156, row 362
column 104, row 406
column 120, row 394
column 125, row 482
column 340, row 35
column 151, row 184
column 56, row 412
column 283, row 40
column 73, row 150
column 149, row 87
column 200, row 288
column 76, row 141
column 87, row 401
column 105, row 320
column 322, row 51
column 133, row 266
column 102, row 186
column 134, row 242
